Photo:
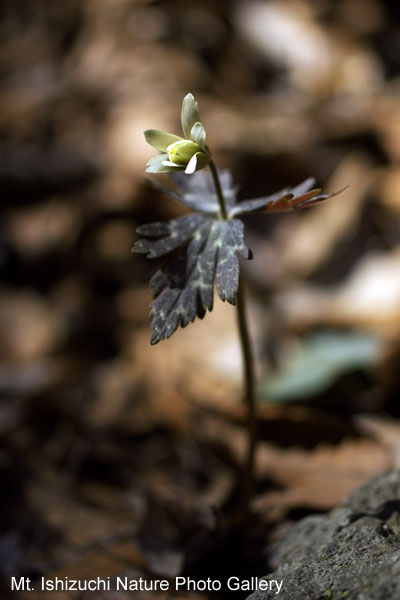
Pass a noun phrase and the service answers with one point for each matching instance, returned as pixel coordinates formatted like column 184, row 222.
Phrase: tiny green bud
column 181, row 152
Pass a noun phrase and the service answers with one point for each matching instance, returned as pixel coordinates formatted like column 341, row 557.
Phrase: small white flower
column 187, row 154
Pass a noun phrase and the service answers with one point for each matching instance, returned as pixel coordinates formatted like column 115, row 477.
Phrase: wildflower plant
column 203, row 247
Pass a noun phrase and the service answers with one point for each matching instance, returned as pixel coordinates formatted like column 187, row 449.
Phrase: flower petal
column 191, row 166
column 198, row 134
column 190, row 114
column 155, row 165
column 197, row 162
column 202, row 160
column 160, row 139
column 169, row 163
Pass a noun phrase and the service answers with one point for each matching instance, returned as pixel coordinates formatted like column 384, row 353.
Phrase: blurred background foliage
column 115, row 455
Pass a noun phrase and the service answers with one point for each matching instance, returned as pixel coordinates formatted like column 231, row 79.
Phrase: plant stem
column 249, row 398
column 218, row 189
column 248, row 369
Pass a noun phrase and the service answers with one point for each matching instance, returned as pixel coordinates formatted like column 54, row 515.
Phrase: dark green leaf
column 203, row 249
column 170, row 234
column 197, row 191
column 230, row 241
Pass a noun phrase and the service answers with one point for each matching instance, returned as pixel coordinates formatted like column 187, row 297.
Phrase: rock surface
column 353, row 552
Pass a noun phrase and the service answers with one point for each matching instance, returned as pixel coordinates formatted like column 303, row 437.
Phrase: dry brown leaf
column 81, row 523
column 40, row 228
column 288, row 34
column 385, row 430
column 387, row 121
column 389, row 187
column 317, row 479
column 368, row 298
column 320, row 478
column 30, row 326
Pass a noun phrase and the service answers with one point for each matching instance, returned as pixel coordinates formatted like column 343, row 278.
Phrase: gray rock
column 353, row 552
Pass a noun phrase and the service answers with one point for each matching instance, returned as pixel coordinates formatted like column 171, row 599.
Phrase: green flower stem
column 218, row 189
column 249, row 379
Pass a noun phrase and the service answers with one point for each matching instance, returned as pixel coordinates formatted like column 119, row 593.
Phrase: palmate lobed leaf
column 298, row 197
column 202, row 250
column 170, row 235
column 197, row 192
